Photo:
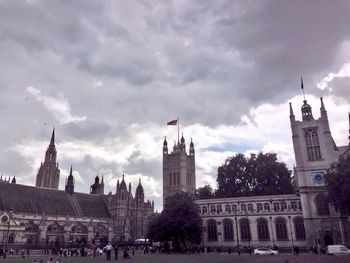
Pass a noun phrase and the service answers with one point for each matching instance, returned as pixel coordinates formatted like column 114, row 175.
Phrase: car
column 265, row 251
column 338, row 250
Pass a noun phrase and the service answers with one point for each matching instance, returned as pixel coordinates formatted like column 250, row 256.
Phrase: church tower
column 70, row 182
column 179, row 173
column 49, row 174
column 315, row 150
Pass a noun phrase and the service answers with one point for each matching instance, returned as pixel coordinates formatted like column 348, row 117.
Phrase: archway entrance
column 328, row 239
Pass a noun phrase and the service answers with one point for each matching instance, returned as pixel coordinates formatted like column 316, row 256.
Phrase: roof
column 344, row 150
column 29, row 199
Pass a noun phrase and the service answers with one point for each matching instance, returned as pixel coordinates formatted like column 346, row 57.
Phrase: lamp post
column 291, row 234
column 8, row 229
column 236, row 229
column 273, row 238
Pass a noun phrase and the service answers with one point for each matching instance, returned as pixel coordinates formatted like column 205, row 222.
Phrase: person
column 108, row 251
column 116, row 252
column 126, row 255
column 50, row 260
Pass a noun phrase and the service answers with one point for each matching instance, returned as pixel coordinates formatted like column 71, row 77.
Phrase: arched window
column 227, row 208
column 212, row 231
column 205, row 209
column 244, row 228
column 212, row 208
column 294, row 205
column 228, row 230
column 11, row 239
column 312, row 145
column 219, row 209
column 267, row 207
column 234, row 208
column 276, row 206
column 243, row 207
column 322, row 205
column 250, row 208
column 299, row 228
column 259, row 207
column 263, row 229
column 283, row 206
column 281, row 229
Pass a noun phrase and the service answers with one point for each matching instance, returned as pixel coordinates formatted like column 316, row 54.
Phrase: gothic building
column 45, row 216
column 303, row 219
column 179, row 173
column 49, row 174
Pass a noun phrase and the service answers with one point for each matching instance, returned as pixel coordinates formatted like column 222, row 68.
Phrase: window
column 243, row 207
column 267, row 207
column 170, row 179
column 312, row 145
column 281, row 229
column 250, row 208
column 212, row 208
column 205, row 210
column 228, row 230
column 212, row 231
column 219, row 209
column 276, row 206
column 178, row 178
column 259, row 207
column 245, row 229
column 299, row 228
column 199, row 209
column 227, row 208
column 322, row 205
column 234, row 208
column 11, row 238
column 263, row 229
column 283, row 206
column 293, row 205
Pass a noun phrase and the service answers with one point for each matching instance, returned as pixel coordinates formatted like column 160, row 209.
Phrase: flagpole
column 178, row 129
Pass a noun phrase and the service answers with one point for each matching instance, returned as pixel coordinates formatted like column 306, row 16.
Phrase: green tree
column 258, row 174
column 205, row 192
column 338, row 181
column 179, row 221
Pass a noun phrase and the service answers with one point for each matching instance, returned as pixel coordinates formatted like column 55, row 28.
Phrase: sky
column 108, row 75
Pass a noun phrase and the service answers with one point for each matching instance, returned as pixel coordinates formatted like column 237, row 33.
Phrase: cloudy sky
column 110, row 74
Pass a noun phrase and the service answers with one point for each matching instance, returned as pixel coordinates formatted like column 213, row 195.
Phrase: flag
column 302, row 84
column 173, row 122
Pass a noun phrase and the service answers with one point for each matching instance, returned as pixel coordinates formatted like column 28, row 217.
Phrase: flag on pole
column 302, row 84
column 173, row 122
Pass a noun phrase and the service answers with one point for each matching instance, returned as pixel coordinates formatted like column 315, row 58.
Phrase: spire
column 13, row 180
column 182, row 138
column 323, row 109
column 291, row 113
column 191, row 148
column 70, row 182
column 52, row 142
column 102, row 180
column 71, row 170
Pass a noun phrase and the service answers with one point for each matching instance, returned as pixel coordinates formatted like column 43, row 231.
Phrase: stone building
column 304, row 219
column 179, row 173
column 45, row 216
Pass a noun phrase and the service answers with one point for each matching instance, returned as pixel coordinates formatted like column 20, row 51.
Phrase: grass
column 202, row 258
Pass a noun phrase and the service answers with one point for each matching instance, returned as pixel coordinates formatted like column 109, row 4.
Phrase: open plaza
column 193, row 258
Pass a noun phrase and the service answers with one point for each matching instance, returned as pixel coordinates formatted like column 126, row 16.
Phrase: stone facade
column 179, row 173
column 304, row 219
column 45, row 216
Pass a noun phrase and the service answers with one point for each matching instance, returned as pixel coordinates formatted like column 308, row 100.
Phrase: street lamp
column 10, row 213
column 273, row 238
column 291, row 234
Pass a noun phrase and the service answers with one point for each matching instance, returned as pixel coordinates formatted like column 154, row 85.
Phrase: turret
column 182, row 144
column 70, row 182
column 13, row 180
column 165, row 146
column 130, row 187
column 306, row 112
column 139, row 195
column 291, row 113
column 191, row 148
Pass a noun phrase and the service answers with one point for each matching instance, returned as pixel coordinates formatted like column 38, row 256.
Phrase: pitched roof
column 29, row 199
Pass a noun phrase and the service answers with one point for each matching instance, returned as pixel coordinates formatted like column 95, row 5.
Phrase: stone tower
column 97, row 188
column 315, row 150
column 70, row 182
column 179, row 173
column 49, row 174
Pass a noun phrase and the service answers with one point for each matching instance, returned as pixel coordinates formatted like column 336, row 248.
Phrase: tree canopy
column 338, row 181
column 205, row 192
column 258, row 174
column 179, row 221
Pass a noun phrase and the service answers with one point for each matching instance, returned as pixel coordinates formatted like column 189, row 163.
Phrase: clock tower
column 315, row 150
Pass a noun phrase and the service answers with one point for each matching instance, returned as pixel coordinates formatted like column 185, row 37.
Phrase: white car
column 338, row 250
column 265, row 251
